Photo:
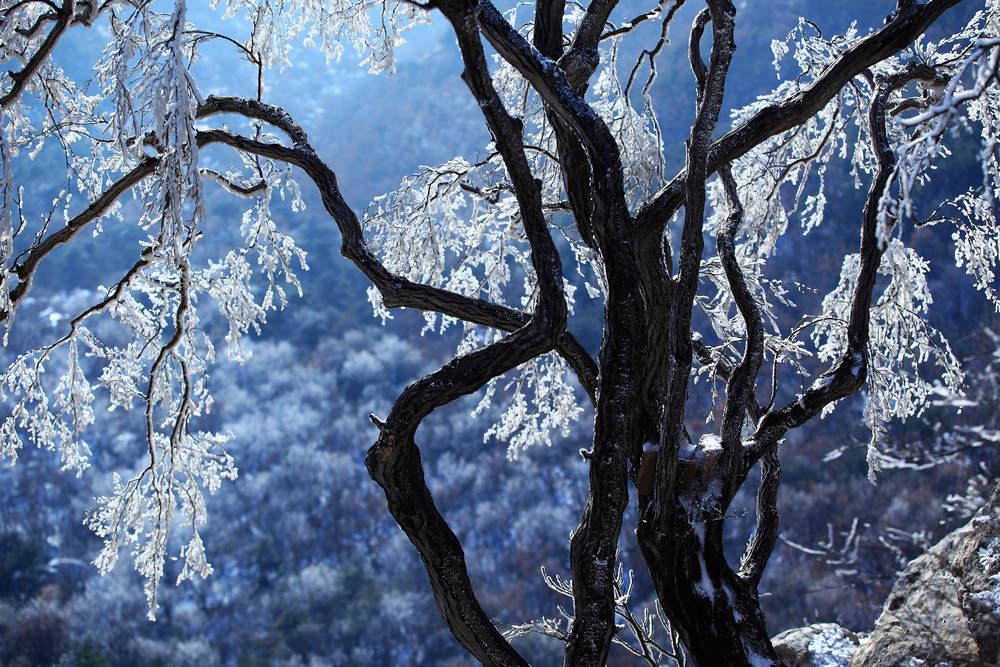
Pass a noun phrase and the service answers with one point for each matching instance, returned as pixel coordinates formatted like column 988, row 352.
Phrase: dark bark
column 27, row 264
column 640, row 391
column 904, row 27
column 715, row 611
column 646, row 354
column 61, row 18
column 617, row 435
column 680, row 533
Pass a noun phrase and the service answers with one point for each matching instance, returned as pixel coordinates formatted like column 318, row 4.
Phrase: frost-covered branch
column 20, row 27
column 26, row 269
column 469, row 241
column 645, row 645
column 905, row 25
column 851, row 367
column 394, row 291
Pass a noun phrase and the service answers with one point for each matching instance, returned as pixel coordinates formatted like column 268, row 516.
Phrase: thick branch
column 551, row 83
column 711, row 85
column 848, row 373
column 547, row 36
column 579, row 62
column 906, row 25
column 581, row 58
column 766, row 533
column 394, row 462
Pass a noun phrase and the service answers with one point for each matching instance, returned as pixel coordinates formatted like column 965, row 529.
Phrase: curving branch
column 607, row 210
column 711, row 86
column 743, row 378
column 61, row 17
column 765, row 535
column 396, row 291
column 906, row 24
column 649, row 55
column 849, row 372
column 26, row 270
column 394, row 461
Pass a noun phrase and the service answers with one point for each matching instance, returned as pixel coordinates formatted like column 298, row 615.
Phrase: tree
column 574, row 150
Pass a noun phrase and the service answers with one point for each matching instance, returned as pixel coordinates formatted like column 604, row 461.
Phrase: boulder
column 945, row 607
column 817, row 645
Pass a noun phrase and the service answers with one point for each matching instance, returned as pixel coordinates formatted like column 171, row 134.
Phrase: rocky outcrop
column 818, row 645
column 945, row 607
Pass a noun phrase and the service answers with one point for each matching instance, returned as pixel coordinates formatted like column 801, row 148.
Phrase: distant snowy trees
column 576, row 175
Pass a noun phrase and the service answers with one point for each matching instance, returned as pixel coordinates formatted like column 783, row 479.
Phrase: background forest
column 309, row 568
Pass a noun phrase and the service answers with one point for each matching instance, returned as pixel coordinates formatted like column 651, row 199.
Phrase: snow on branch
column 373, row 27
column 642, row 638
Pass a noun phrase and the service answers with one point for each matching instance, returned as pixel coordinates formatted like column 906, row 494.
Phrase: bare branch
column 711, row 85
column 765, row 535
column 740, row 385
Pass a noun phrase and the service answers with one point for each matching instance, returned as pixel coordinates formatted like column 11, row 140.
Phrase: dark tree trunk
column 715, row 610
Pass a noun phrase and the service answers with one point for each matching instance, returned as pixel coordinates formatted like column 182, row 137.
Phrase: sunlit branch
column 21, row 78
column 905, row 26
column 848, row 373
column 27, row 269
column 649, row 54
column 632, row 24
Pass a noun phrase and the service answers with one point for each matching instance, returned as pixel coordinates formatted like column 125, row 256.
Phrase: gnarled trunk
column 715, row 610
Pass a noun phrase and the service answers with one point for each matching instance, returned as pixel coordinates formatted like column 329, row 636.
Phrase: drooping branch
column 649, row 55
column 396, row 291
column 848, row 373
column 26, row 270
column 62, row 16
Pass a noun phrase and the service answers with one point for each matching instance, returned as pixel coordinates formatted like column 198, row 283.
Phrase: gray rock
column 817, row 645
column 945, row 607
